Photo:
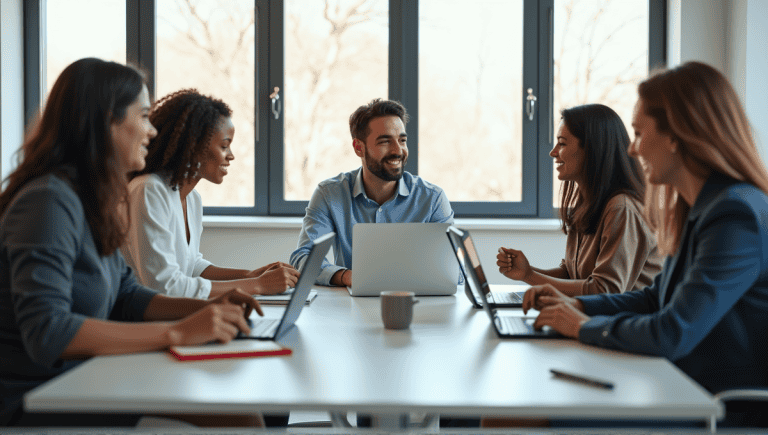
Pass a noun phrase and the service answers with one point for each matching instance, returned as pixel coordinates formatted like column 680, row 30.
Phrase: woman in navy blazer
column 707, row 311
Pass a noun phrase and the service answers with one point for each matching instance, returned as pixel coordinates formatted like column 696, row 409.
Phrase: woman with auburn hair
column 610, row 248
column 65, row 291
column 706, row 311
column 193, row 143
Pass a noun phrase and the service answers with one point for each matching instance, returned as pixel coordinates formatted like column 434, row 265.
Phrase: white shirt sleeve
column 157, row 247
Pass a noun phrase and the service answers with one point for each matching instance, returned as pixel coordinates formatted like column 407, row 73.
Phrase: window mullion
column 404, row 69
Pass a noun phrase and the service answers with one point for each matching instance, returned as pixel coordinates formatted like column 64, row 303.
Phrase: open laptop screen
column 470, row 265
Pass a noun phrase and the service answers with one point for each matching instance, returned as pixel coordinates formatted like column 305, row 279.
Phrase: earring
column 186, row 173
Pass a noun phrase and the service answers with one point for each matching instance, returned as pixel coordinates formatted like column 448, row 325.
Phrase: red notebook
column 233, row 349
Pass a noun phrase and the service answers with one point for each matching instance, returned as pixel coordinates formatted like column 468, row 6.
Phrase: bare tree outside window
column 600, row 56
column 209, row 45
column 336, row 60
column 470, row 98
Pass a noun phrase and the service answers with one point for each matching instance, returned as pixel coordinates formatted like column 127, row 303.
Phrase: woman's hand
column 563, row 317
column 539, row 297
column 277, row 280
column 220, row 322
column 562, row 313
column 513, row 264
column 271, row 266
column 239, row 298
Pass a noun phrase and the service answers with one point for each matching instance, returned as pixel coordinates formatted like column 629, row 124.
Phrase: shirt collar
column 357, row 189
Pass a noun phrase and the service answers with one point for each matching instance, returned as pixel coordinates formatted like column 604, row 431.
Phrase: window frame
column 402, row 83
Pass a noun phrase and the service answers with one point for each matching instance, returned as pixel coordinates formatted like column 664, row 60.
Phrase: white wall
column 731, row 36
column 755, row 71
column 11, row 83
column 248, row 248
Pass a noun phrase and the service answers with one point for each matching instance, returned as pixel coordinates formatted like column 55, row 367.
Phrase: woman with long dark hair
column 194, row 143
column 610, row 247
column 706, row 311
column 65, row 291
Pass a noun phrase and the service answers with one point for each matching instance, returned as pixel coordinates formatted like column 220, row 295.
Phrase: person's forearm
column 215, row 273
column 169, row 308
column 336, row 279
column 569, row 287
column 556, row 272
column 102, row 337
column 218, row 288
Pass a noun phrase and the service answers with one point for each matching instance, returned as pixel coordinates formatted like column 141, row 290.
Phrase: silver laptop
column 497, row 298
column 413, row 257
column 505, row 326
column 272, row 329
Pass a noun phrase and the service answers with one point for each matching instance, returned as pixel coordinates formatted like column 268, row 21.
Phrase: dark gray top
column 51, row 279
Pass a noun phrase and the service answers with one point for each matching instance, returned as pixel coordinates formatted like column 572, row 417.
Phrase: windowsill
column 276, row 222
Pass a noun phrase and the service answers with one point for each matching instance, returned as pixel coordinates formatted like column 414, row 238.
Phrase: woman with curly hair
column 193, row 143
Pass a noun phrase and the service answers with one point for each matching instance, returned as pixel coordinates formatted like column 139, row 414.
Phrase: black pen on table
column 582, row 379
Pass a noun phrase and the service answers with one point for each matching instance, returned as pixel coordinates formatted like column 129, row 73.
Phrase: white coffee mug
column 397, row 309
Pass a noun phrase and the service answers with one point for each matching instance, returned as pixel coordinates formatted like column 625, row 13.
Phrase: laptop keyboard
column 515, row 325
column 507, row 298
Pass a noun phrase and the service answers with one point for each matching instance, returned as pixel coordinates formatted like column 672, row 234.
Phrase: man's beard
column 378, row 168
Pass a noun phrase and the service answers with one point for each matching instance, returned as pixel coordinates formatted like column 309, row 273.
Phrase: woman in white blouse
column 195, row 133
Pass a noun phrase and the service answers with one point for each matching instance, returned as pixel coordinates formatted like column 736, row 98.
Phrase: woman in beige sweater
column 610, row 247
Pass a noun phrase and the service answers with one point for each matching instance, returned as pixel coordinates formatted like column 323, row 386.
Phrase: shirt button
column 379, row 210
column 605, row 333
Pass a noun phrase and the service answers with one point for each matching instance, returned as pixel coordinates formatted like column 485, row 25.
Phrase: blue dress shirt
column 707, row 310
column 340, row 202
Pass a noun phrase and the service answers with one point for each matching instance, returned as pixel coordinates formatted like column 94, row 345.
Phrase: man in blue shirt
column 379, row 191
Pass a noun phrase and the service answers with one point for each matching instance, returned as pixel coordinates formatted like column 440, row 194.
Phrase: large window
column 484, row 82
column 210, row 45
column 470, row 99
column 598, row 57
column 335, row 60
column 71, row 34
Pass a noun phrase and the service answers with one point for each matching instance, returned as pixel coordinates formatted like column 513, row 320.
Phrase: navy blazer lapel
column 681, row 256
column 715, row 184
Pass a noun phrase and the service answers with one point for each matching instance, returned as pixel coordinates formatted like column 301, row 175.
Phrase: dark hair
column 608, row 169
column 360, row 120
column 696, row 105
column 185, row 123
column 73, row 139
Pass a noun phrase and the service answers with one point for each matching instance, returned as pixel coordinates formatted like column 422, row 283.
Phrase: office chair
column 750, row 395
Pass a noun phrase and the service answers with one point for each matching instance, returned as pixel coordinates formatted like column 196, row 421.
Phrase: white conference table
column 449, row 362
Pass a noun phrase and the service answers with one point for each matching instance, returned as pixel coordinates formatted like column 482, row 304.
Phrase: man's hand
column 342, row 278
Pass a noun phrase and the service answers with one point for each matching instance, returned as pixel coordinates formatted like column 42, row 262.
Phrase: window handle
column 276, row 106
column 530, row 105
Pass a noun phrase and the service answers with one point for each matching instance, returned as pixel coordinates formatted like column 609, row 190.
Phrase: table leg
column 390, row 422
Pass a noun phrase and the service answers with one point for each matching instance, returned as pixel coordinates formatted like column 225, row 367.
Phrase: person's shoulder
column 742, row 196
column 142, row 184
column 624, row 202
column 343, row 179
column 49, row 195
column 154, row 181
column 51, row 186
column 417, row 182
